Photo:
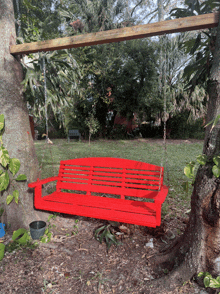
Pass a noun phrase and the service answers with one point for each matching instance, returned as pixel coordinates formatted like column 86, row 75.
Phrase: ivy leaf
column 214, row 283
column 4, row 181
column 216, row 171
column 4, row 157
column 189, row 170
column 14, row 165
column 16, row 195
column 218, row 279
column 2, row 250
column 2, row 122
column 9, row 199
column 206, row 281
column 201, row 274
column 216, row 160
column 44, row 240
column 21, row 178
column 202, row 159
column 20, row 236
column 49, row 235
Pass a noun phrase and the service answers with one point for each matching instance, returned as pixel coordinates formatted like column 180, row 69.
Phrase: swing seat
column 106, row 188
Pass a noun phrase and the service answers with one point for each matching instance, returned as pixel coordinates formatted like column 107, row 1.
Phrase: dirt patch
column 75, row 262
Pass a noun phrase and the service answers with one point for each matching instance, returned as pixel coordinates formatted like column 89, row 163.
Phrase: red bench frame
column 106, row 188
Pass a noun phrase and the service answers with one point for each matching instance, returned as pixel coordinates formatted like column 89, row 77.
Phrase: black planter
column 37, row 229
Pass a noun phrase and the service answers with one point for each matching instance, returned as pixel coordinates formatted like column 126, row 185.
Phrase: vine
column 8, row 166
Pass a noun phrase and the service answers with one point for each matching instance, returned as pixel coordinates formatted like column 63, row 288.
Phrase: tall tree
column 197, row 250
column 17, row 137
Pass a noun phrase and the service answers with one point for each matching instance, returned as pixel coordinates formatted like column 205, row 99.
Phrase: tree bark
column 198, row 249
column 17, row 137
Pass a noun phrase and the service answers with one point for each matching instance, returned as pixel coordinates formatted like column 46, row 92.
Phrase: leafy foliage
column 104, row 233
column 2, row 251
column 209, row 281
column 21, row 236
column 200, row 46
column 192, row 166
column 216, row 166
column 7, row 165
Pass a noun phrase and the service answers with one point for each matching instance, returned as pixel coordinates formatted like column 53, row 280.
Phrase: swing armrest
column 42, row 182
column 161, row 196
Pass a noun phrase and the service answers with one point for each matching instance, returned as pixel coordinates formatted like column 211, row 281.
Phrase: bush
column 148, row 131
column 182, row 128
column 118, row 132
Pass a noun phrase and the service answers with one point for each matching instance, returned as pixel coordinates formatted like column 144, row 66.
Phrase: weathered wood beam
column 141, row 31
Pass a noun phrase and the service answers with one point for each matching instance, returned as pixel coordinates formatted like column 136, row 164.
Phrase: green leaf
column 2, row 122
column 214, row 283
column 102, row 236
column 97, row 232
column 21, row 177
column 4, row 157
column 2, row 250
column 216, row 160
column 14, row 165
column 201, row 274
column 202, row 159
column 20, row 235
column 207, row 274
column 4, row 181
column 215, row 122
column 9, row 199
column 216, row 171
column 16, row 195
column 185, row 186
column 112, row 238
column 206, row 281
column 49, row 235
column 50, row 217
column 44, row 240
column 189, row 170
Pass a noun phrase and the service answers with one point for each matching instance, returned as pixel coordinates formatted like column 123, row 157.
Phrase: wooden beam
column 141, row 31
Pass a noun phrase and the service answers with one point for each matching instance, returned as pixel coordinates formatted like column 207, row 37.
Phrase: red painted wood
column 106, row 188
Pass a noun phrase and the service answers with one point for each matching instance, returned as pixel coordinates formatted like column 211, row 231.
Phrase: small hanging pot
column 37, row 229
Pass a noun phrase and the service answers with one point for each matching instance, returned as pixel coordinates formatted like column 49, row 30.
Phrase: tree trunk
column 17, row 137
column 198, row 249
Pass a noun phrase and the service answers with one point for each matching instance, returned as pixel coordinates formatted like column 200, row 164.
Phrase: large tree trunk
column 198, row 249
column 17, row 137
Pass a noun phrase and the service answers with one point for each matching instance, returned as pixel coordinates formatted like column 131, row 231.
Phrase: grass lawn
column 179, row 153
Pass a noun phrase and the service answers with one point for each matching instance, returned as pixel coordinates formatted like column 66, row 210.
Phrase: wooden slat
column 103, row 202
column 120, row 216
column 109, row 189
column 141, row 31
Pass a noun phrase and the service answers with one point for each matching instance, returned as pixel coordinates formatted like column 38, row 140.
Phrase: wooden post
column 136, row 32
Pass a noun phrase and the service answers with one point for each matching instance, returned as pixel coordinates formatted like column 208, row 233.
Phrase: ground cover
column 74, row 262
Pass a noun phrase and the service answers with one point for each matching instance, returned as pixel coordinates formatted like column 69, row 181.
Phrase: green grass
column 178, row 155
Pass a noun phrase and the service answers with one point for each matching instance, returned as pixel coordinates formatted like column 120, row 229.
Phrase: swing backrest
column 122, row 177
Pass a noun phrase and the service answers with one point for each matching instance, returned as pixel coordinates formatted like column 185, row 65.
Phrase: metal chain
column 165, row 110
column 18, row 20
column 164, row 114
column 46, row 115
column 45, row 95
